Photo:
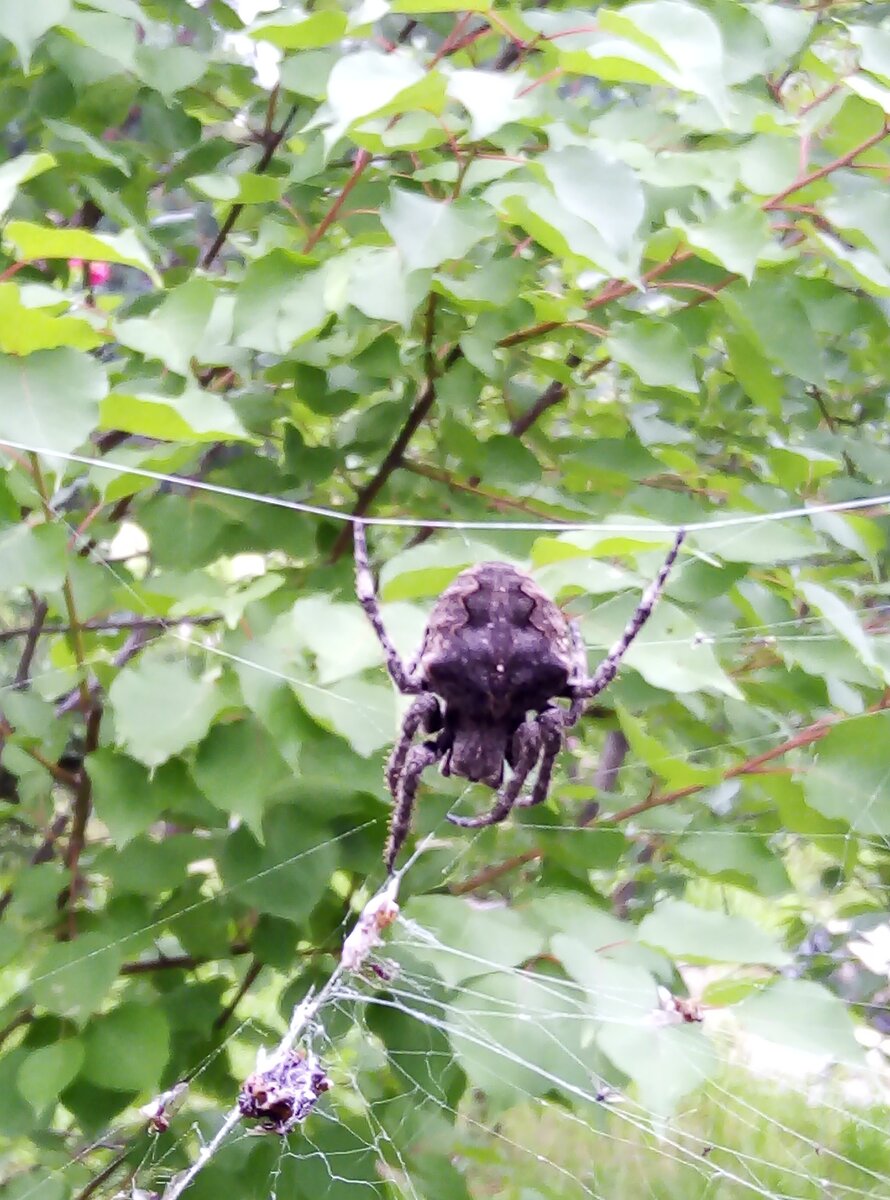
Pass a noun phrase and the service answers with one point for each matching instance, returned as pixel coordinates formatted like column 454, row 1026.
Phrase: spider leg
column 526, row 751
column 403, row 677
column 552, row 724
column 579, row 663
column 608, row 668
column 418, row 759
column 425, row 711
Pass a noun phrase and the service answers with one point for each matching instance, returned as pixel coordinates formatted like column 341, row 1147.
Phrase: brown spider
column 495, row 650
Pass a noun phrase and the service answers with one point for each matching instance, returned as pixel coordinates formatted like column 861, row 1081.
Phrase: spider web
column 399, row 1122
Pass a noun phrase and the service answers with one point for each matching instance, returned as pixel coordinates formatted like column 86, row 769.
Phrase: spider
column 495, row 655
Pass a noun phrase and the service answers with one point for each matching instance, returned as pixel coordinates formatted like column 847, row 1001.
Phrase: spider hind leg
column 551, row 724
column 526, row 750
column 584, row 687
column 404, row 677
column 425, row 713
column 417, row 760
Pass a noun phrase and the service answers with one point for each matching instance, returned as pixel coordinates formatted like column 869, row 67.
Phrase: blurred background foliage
column 510, row 263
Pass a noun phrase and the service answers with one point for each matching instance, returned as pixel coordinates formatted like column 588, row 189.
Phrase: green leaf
column 127, row 798
column 768, row 543
column 686, row 35
column 775, row 320
column 247, row 188
column 126, row 1049
column 42, row 241
column 427, row 232
column 194, row 416
column 303, row 31
column 560, row 231
column 696, row 935
column 174, row 330
column 492, row 100
column 601, row 191
column 736, row 857
column 24, row 27
column 461, row 943
column 73, row 978
column 654, row 652
column 656, row 351
column 339, row 637
column 667, row 766
column 841, row 618
column 427, row 569
column 33, row 558
column 377, row 282
column 278, row 304
column 61, row 390
column 240, row 771
column 48, row 1070
column 413, row 7
column 287, row 875
column 369, row 82
column 735, row 238
column 24, row 330
column 160, row 709
column 20, row 169
column 170, row 69
column 848, row 780
column 519, row 1036
column 797, row 1014
column 865, row 266
column 363, row 713
column 666, row 1062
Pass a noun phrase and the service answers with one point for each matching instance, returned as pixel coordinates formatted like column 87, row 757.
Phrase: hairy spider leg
column 608, row 668
column 552, row 724
column 527, row 750
column 403, row 677
column 418, row 759
column 572, row 714
column 424, row 711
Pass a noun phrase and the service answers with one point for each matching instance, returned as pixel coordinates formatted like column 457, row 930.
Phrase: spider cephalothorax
column 495, row 655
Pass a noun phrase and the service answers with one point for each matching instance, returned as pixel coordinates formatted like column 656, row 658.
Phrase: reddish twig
column 751, row 766
column 362, row 158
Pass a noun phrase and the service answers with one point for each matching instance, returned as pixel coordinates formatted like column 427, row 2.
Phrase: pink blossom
column 99, row 272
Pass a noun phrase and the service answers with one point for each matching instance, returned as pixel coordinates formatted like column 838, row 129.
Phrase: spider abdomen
column 496, row 646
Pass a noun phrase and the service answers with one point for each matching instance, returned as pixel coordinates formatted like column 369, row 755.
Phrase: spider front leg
column 585, row 688
column 526, row 751
column 403, row 677
column 417, row 761
column 426, row 712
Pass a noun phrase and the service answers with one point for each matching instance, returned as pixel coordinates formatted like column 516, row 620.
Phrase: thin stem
column 415, row 419
column 110, row 625
column 247, row 983
column 273, row 141
column 835, row 164
column 362, row 158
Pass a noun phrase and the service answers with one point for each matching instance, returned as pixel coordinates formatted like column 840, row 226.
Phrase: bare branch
column 23, row 674
column 273, row 141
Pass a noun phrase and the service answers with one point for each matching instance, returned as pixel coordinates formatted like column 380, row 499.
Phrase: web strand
column 643, row 526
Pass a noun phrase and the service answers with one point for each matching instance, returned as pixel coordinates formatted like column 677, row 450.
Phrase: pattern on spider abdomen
column 496, row 645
